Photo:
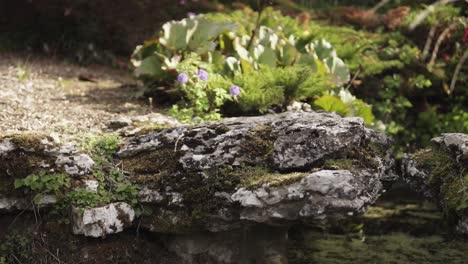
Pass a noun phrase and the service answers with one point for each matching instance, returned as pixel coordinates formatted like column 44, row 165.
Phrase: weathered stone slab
column 274, row 169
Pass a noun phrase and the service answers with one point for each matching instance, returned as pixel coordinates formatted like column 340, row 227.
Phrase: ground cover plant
column 268, row 70
column 403, row 77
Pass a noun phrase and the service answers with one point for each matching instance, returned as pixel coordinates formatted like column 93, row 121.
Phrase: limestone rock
column 119, row 122
column 77, row 165
column 130, row 126
column 274, row 169
column 25, row 154
column 20, row 203
column 311, row 197
column 456, row 144
column 101, row 221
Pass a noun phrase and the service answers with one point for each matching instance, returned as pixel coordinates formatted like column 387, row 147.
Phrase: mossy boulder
column 274, row 169
column 441, row 173
column 35, row 155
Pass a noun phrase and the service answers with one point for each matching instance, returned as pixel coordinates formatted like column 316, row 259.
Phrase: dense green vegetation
column 400, row 69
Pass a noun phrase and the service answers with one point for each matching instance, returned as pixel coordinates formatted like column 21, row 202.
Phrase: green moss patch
column 28, row 141
column 149, row 167
column 448, row 178
column 259, row 142
column 354, row 160
column 146, row 127
column 340, row 164
column 255, row 177
column 101, row 148
column 314, row 247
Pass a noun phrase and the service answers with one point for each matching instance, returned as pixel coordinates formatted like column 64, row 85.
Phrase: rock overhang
column 275, row 170
column 243, row 169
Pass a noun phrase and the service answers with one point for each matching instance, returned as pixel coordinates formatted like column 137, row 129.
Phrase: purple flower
column 202, row 74
column 235, row 90
column 182, row 78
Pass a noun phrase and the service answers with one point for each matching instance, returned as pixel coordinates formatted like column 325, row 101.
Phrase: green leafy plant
column 272, row 67
column 345, row 104
column 203, row 92
column 113, row 185
column 13, row 246
column 44, row 183
column 100, row 146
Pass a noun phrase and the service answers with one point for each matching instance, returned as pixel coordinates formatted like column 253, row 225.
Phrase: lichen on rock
column 265, row 169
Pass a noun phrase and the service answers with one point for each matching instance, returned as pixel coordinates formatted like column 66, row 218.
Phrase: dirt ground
column 46, row 94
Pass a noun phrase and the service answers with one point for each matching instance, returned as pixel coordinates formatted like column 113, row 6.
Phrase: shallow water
column 401, row 228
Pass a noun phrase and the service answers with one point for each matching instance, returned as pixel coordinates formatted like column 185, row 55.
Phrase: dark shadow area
column 74, row 27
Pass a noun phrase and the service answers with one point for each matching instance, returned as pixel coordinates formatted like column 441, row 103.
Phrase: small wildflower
column 235, row 90
column 202, row 74
column 196, row 120
column 182, row 78
column 446, row 57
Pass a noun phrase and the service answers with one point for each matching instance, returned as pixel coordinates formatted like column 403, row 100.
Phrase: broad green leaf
column 232, row 64
column 325, row 52
column 241, row 51
column 331, row 103
column 288, row 54
column 338, row 70
column 246, row 66
column 322, row 48
column 205, row 31
column 267, row 57
column 177, row 34
column 307, row 59
column 18, row 183
column 267, row 37
column 361, row 109
column 150, row 66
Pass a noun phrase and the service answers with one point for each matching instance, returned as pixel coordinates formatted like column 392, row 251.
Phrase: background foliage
column 392, row 64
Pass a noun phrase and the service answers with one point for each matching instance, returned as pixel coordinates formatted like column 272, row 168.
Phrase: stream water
column 402, row 227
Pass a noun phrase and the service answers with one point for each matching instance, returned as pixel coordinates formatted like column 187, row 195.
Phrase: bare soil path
column 46, row 94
